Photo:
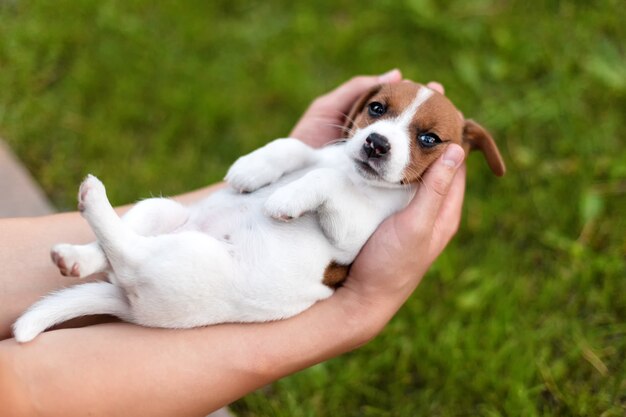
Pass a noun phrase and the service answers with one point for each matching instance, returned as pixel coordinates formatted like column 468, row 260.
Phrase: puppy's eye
column 428, row 140
column 376, row 109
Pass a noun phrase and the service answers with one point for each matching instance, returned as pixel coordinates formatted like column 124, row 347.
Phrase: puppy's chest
column 241, row 219
column 235, row 217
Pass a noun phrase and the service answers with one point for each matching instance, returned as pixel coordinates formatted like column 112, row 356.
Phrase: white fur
column 233, row 257
column 406, row 116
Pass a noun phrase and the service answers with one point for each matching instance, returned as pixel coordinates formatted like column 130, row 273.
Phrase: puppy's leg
column 307, row 193
column 156, row 216
column 267, row 164
column 79, row 260
column 120, row 243
column 149, row 217
column 331, row 194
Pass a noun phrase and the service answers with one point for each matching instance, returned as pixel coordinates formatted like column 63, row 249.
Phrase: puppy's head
column 396, row 131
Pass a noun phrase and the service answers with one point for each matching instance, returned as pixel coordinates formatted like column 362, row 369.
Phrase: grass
column 524, row 314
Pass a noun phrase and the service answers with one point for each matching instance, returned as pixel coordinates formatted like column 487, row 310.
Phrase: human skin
column 112, row 369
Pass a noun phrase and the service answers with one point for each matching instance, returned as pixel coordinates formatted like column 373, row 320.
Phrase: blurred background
column 524, row 314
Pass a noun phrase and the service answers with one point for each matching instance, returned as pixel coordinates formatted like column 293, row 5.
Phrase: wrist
column 365, row 315
column 328, row 329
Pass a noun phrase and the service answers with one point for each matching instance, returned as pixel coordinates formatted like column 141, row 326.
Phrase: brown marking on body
column 335, row 274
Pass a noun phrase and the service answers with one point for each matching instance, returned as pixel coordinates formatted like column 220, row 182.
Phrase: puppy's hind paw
column 78, row 260
column 91, row 191
column 66, row 258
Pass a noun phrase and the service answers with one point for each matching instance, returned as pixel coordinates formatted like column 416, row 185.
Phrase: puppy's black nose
column 376, row 145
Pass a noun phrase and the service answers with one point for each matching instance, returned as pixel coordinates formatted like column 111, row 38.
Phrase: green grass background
column 524, row 314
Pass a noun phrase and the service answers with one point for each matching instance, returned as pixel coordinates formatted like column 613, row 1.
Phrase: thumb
column 423, row 210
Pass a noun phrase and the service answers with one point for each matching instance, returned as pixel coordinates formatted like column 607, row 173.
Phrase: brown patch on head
column 435, row 116
column 395, row 97
column 335, row 274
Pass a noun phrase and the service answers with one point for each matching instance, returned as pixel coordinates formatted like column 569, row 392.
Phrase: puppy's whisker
column 346, row 115
column 345, row 129
column 348, row 118
column 417, row 178
column 342, row 127
column 420, row 181
column 333, row 141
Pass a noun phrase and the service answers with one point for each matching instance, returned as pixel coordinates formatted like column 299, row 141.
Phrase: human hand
column 322, row 122
column 396, row 257
column 398, row 254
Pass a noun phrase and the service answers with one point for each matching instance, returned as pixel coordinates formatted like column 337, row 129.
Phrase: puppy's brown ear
column 476, row 137
column 357, row 107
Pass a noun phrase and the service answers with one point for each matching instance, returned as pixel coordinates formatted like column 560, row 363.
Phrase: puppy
column 280, row 238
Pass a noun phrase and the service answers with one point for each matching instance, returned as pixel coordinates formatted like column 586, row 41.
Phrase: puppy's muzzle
column 376, row 145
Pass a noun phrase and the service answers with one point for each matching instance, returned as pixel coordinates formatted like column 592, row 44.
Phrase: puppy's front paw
column 90, row 193
column 287, row 203
column 251, row 172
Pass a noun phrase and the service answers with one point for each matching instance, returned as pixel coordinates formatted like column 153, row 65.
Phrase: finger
column 434, row 85
column 423, row 210
column 347, row 93
column 449, row 217
column 392, row 76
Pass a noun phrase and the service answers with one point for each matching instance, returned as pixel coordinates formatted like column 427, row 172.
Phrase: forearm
column 172, row 372
column 27, row 272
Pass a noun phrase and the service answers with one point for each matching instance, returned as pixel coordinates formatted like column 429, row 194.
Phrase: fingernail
column 453, row 156
column 390, row 76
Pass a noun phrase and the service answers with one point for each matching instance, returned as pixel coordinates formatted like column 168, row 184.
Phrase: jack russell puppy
column 280, row 238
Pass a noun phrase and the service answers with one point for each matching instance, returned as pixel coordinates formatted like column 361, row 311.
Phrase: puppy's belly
column 251, row 293
column 277, row 267
column 260, row 270
column 226, row 213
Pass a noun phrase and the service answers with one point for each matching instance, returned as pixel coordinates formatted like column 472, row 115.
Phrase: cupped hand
column 395, row 258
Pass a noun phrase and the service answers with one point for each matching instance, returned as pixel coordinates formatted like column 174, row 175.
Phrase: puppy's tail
column 81, row 300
